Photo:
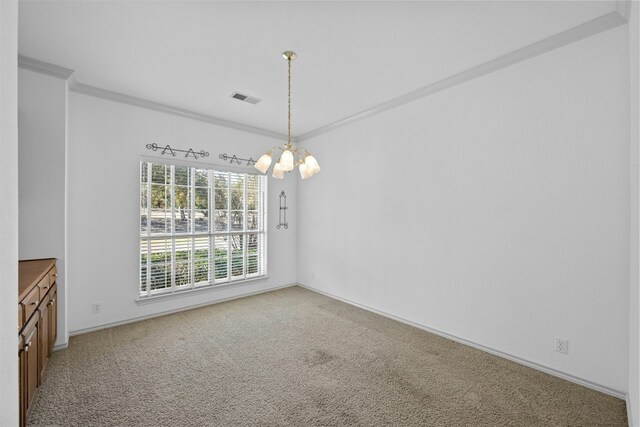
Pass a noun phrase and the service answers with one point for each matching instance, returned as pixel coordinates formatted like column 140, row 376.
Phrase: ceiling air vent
column 245, row 98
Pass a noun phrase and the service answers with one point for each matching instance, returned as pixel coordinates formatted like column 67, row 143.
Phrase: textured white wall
column 105, row 144
column 42, row 103
column 8, row 211
column 634, row 294
column 496, row 211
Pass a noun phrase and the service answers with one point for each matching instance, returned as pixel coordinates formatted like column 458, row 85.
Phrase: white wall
column 496, row 211
column 42, row 107
column 634, row 295
column 105, row 143
column 9, row 211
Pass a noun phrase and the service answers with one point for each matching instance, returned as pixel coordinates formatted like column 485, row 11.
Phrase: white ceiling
column 351, row 55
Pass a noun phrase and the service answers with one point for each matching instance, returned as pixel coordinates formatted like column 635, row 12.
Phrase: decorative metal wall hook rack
column 235, row 159
column 167, row 149
column 282, row 217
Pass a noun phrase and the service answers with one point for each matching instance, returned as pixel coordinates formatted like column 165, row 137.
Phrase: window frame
column 191, row 235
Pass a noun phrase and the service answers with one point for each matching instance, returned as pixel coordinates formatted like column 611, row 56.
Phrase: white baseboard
column 630, row 413
column 165, row 313
column 516, row 359
column 61, row 346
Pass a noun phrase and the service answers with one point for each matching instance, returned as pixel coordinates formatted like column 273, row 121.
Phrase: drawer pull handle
column 35, row 303
column 26, row 348
column 54, row 275
column 45, row 288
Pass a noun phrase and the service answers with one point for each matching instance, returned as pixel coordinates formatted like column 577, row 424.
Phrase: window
column 199, row 227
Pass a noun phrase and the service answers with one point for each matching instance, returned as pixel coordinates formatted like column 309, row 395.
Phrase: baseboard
column 630, row 413
column 178, row 310
column 516, row 359
column 61, row 346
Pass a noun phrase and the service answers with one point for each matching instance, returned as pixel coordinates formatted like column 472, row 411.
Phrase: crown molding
column 74, row 85
column 72, row 81
column 170, row 109
column 44, row 67
column 623, row 7
column 582, row 31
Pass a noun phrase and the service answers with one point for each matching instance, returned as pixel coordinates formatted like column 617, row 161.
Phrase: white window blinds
column 199, row 227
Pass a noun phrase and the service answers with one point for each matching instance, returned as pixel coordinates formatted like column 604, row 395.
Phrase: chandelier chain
column 289, row 102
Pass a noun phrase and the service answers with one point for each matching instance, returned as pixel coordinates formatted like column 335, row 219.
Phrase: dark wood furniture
column 37, row 325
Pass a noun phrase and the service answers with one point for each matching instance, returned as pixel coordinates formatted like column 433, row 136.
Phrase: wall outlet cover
column 562, row 345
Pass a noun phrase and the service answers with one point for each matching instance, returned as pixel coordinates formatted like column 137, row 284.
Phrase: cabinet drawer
column 44, row 286
column 44, row 302
column 30, row 330
column 20, row 317
column 53, row 274
column 53, row 293
column 30, row 303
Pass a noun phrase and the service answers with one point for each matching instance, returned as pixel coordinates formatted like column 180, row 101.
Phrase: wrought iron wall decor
column 167, row 149
column 235, row 159
column 282, row 217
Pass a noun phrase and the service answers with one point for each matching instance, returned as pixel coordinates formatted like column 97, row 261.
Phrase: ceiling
column 351, row 55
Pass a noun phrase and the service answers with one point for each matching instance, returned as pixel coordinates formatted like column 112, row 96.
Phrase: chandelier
column 291, row 156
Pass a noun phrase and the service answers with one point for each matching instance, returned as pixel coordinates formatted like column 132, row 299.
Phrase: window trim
column 182, row 293
column 179, row 291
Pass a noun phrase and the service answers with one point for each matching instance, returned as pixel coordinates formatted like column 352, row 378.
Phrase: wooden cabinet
column 20, row 317
column 38, row 322
column 22, row 361
column 30, row 302
column 53, row 317
column 43, row 334
column 31, row 370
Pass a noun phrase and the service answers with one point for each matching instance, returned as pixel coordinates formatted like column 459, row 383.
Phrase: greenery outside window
column 199, row 227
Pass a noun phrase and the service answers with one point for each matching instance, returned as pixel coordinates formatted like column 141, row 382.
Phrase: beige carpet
column 296, row 358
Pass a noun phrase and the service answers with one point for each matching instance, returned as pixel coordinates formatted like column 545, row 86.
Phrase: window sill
column 190, row 292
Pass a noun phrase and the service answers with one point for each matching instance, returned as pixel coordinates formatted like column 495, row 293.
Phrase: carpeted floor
column 296, row 358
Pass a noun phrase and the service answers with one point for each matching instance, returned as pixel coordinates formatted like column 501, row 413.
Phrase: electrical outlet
column 562, row 345
column 95, row 308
